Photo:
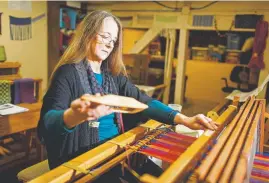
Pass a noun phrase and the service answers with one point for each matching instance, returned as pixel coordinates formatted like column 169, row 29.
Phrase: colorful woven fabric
column 5, row 92
column 24, row 91
column 27, row 90
column 260, row 170
column 16, row 92
column 167, row 147
column 160, row 154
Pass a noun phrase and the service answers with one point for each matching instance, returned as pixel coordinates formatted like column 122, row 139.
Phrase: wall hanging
column 20, row 28
column 202, row 20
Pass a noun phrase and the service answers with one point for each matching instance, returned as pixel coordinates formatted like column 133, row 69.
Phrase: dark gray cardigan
column 65, row 87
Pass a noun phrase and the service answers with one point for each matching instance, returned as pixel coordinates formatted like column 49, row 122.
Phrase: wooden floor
column 12, row 164
column 10, row 175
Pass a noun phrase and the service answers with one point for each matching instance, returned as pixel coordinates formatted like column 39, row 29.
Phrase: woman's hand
column 198, row 122
column 81, row 110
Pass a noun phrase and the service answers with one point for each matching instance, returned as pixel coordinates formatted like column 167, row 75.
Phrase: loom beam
column 96, row 156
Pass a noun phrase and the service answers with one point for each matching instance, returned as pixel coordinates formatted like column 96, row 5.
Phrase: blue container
column 233, row 41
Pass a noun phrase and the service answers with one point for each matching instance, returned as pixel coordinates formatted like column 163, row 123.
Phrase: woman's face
column 105, row 40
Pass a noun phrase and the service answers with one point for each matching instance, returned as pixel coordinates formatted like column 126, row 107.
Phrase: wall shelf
column 215, row 62
column 213, row 29
column 10, row 70
column 10, row 65
column 157, row 58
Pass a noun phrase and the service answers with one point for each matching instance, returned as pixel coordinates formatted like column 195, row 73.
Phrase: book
column 7, row 109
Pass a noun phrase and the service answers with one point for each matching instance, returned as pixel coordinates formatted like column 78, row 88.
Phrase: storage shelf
column 10, row 65
column 213, row 29
column 216, row 62
column 10, row 70
column 157, row 58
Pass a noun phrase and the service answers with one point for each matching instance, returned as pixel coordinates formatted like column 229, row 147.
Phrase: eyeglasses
column 106, row 39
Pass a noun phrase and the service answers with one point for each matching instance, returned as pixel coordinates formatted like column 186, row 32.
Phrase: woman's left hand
column 197, row 122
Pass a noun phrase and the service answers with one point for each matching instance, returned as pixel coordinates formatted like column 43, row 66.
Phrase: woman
column 93, row 64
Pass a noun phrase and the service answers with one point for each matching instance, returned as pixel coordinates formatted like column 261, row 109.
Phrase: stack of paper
column 7, row 109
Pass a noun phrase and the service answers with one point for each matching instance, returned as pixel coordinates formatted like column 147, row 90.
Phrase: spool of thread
column 2, row 54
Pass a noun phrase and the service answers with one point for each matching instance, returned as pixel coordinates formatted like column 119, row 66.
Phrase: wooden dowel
column 35, row 80
column 221, row 106
column 261, row 143
column 4, row 151
column 204, row 168
column 115, row 161
column 106, row 167
column 157, row 87
column 241, row 167
column 228, row 170
column 222, row 159
column 236, row 100
column 264, row 145
column 216, row 111
column 266, row 115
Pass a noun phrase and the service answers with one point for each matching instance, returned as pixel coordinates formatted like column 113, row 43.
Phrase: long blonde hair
column 78, row 48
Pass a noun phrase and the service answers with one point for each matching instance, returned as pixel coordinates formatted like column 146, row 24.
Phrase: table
column 15, row 123
column 149, row 90
column 25, row 121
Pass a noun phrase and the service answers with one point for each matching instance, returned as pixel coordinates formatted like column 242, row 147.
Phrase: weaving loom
column 216, row 156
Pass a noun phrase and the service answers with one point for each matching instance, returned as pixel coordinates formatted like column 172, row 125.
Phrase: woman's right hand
column 81, row 110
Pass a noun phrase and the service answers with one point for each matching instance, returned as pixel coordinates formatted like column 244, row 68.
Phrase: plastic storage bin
column 199, row 53
column 233, row 41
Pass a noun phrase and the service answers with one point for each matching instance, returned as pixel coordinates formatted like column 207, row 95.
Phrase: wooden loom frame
column 96, row 156
column 188, row 160
column 78, row 167
column 75, row 167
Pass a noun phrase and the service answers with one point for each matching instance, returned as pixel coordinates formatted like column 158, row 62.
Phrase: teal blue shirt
column 107, row 127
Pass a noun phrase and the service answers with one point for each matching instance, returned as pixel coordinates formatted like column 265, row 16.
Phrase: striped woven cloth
column 260, row 170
